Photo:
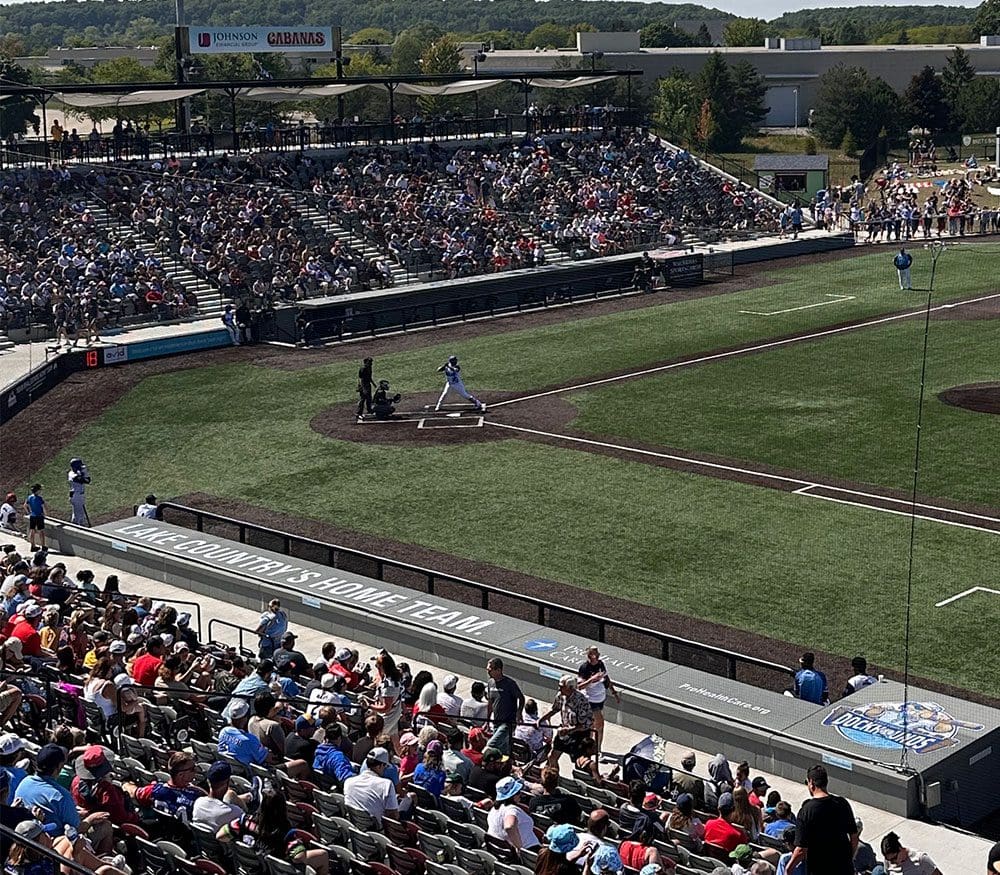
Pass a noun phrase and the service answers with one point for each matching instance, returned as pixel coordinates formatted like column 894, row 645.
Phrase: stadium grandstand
column 154, row 726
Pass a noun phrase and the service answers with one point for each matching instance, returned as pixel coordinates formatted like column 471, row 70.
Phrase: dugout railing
column 606, row 630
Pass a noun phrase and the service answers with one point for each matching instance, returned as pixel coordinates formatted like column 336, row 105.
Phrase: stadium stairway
column 321, row 219
column 210, row 301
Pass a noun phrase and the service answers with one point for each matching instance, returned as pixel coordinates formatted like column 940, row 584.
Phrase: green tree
column 715, row 85
column 703, row 37
column 549, row 34
column 848, row 32
column 987, row 20
column 956, row 76
column 370, row 36
column 674, row 105
column 123, row 70
column 903, row 38
column 662, row 34
column 370, row 104
column 749, row 100
column 848, row 146
column 745, row 32
column 442, row 56
column 410, row 45
column 924, row 103
column 849, row 99
column 16, row 113
column 980, row 104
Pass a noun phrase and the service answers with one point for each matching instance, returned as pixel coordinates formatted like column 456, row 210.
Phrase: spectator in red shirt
column 146, row 668
column 93, row 792
column 343, row 665
column 477, row 741
column 720, row 830
column 26, row 631
column 758, row 791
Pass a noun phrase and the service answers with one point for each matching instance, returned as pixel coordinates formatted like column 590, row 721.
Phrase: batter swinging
column 453, row 383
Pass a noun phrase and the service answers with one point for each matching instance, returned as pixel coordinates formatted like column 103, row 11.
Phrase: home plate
column 454, row 416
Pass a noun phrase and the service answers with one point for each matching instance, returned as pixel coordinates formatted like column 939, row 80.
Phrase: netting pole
column 935, row 249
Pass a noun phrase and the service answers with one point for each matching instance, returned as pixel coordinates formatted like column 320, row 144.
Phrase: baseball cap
column 435, row 747
column 219, row 773
column 123, row 680
column 328, row 681
column 406, row 739
column 650, row 869
column 650, row 801
column 454, row 778
column 449, row 683
column 726, row 802
column 477, row 733
column 562, row 838
column 741, row 852
column 493, row 755
column 343, row 654
column 759, row 783
column 508, row 788
column 378, row 755
column 32, row 611
column 50, row 757
column 29, row 829
column 183, row 618
column 606, row 859
column 239, row 709
column 94, row 764
column 303, row 722
column 181, row 646
column 10, row 743
column 117, row 646
column 289, row 636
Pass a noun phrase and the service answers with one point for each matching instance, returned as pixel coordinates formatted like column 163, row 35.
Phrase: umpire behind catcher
column 365, row 386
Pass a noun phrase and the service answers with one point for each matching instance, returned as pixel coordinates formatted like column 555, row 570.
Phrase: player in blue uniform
column 453, row 383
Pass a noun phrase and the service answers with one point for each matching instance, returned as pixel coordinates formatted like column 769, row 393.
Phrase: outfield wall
column 949, row 742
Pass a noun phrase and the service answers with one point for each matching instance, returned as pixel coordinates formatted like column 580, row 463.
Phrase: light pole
column 477, row 59
column 795, row 91
column 341, row 62
column 180, row 51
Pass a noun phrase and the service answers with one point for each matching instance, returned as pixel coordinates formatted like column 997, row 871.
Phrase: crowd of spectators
column 59, row 265
column 320, row 760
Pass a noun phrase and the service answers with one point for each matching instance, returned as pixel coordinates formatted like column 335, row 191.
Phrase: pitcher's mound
column 980, row 397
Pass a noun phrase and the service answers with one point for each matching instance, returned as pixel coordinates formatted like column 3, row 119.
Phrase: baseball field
column 733, row 463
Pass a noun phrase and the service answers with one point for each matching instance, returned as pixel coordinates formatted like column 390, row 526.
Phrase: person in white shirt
column 148, row 510
column 370, row 791
column 213, row 810
column 447, row 699
column 506, row 820
column 8, row 513
column 475, row 708
column 860, row 679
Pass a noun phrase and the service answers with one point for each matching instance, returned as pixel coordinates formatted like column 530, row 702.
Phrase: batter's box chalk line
column 462, row 422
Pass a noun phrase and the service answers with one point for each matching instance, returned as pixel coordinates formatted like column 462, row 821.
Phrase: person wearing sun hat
column 605, row 861
column 11, row 751
column 742, row 855
column 560, row 840
column 92, row 791
column 506, row 820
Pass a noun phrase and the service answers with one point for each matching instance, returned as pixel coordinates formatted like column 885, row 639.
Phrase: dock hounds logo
column 922, row 727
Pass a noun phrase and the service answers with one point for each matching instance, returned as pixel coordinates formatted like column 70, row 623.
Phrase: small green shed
column 797, row 175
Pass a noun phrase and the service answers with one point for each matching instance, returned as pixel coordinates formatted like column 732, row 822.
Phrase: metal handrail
column 668, row 643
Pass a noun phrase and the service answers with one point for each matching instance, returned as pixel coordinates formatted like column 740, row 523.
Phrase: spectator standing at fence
column 34, row 507
column 271, row 628
column 826, row 835
column 902, row 262
column 595, row 684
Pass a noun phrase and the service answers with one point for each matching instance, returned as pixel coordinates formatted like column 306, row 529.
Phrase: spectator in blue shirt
column 810, row 684
column 783, row 819
column 430, row 773
column 789, row 838
column 237, row 741
column 251, row 685
column 330, row 761
column 50, row 801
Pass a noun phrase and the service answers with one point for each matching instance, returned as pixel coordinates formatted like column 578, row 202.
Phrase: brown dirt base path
column 978, row 397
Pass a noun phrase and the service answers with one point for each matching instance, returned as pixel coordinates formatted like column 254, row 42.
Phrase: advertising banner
column 218, row 40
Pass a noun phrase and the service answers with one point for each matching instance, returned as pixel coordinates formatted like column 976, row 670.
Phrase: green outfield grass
column 769, row 562
column 844, row 406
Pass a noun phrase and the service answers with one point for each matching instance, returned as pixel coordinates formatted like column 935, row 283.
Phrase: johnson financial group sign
column 216, row 40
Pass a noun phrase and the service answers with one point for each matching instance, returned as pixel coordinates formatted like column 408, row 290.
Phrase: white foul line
column 771, row 344
column 836, row 300
column 962, row 595
column 804, row 485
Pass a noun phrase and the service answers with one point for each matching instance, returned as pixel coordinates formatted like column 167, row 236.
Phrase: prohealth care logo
column 922, row 727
